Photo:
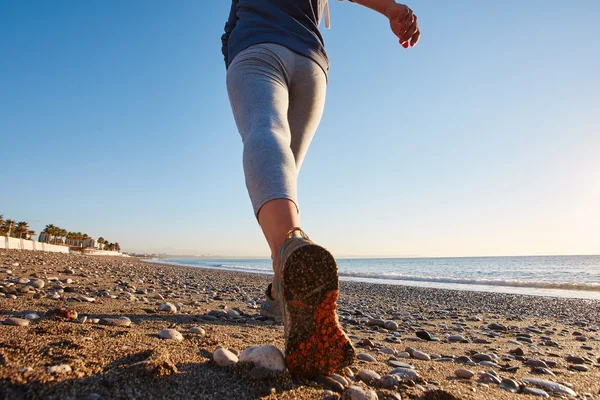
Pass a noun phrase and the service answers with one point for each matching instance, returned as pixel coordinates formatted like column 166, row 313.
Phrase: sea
column 556, row 276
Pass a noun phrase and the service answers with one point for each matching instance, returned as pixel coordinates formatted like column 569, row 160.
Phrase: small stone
column 368, row 375
column 167, row 307
column 463, row 360
column 171, row 334
column 31, row 316
column 387, row 350
column 224, row 357
column 489, row 378
column 268, row 357
column 419, row 355
column 87, row 299
column 63, row 313
column 37, row 283
column 482, row 357
column 535, row 392
column 389, row 381
column 330, row 383
column 122, row 321
column 456, row 338
column 403, row 354
column 366, row 357
column 59, row 369
column 423, row 334
column 536, row 363
column 399, row 364
column 575, row 359
column 497, row 327
column 198, row 330
column 579, row 367
column 390, row 325
column 340, row 379
column 464, row 373
column 550, row 386
column 405, row 373
column 510, row 385
column 16, row 321
column 357, row 393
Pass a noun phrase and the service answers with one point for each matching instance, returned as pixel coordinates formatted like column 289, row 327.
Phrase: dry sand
column 112, row 362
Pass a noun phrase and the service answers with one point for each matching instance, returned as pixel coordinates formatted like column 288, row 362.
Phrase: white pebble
column 59, row 369
column 197, row 329
column 172, row 334
column 268, row 357
column 224, row 357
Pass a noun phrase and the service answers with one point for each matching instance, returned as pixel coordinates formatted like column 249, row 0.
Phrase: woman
column 276, row 79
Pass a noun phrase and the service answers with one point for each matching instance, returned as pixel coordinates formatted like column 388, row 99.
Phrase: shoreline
column 105, row 360
column 547, row 289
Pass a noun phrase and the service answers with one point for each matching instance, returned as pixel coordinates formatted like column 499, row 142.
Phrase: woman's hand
column 404, row 24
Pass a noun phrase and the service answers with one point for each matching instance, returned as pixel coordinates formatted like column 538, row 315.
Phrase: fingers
column 405, row 26
column 410, row 32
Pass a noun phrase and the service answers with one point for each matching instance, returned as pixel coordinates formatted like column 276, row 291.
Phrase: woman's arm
column 402, row 19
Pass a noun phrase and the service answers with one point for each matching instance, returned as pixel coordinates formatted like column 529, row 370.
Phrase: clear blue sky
column 482, row 140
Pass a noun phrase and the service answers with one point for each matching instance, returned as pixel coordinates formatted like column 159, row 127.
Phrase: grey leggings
column 277, row 97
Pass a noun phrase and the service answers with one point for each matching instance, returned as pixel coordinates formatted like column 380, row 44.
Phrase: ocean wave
column 478, row 281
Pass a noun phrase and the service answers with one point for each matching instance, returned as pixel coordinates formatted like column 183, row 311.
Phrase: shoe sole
column 315, row 341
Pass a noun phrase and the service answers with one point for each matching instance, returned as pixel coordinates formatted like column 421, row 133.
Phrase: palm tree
column 85, row 238
column 101, row 242
column 21, row 229
column 48, row 230
column 8, row 226
column 117, row 247
column 30, row 233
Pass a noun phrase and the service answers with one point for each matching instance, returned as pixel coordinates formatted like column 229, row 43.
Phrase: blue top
column 290, row 23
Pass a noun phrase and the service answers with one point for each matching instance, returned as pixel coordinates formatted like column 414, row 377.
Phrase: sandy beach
column 534, row 346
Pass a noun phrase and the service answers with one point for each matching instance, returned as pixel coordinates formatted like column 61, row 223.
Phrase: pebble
column 403, row 354
column 62, row 312
column 330, row 383
column 579, row 367
column 550, row 386
column 59, row 369
column 31, row 316
column 535, row 392
column 399, row 364
column 456, row 338
column 489, row 378
column 167, row 307
column 419, row 355
column 122, row 321
column 497, row 327
column 510, row 385
column 482, row 357
column 536, row 363
column 37, row 283
column 197, row 329
column 464, row 373
column 366, row 357
column 340, row 379
column 268, row 357
column 405, row 373
column 368, row 375
column 575, row 359
column 389, row 381
column 172, row 334
column 16, row 321
column 224, row 357
column 390, row 325
column 357, row 393
column 423, row 334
